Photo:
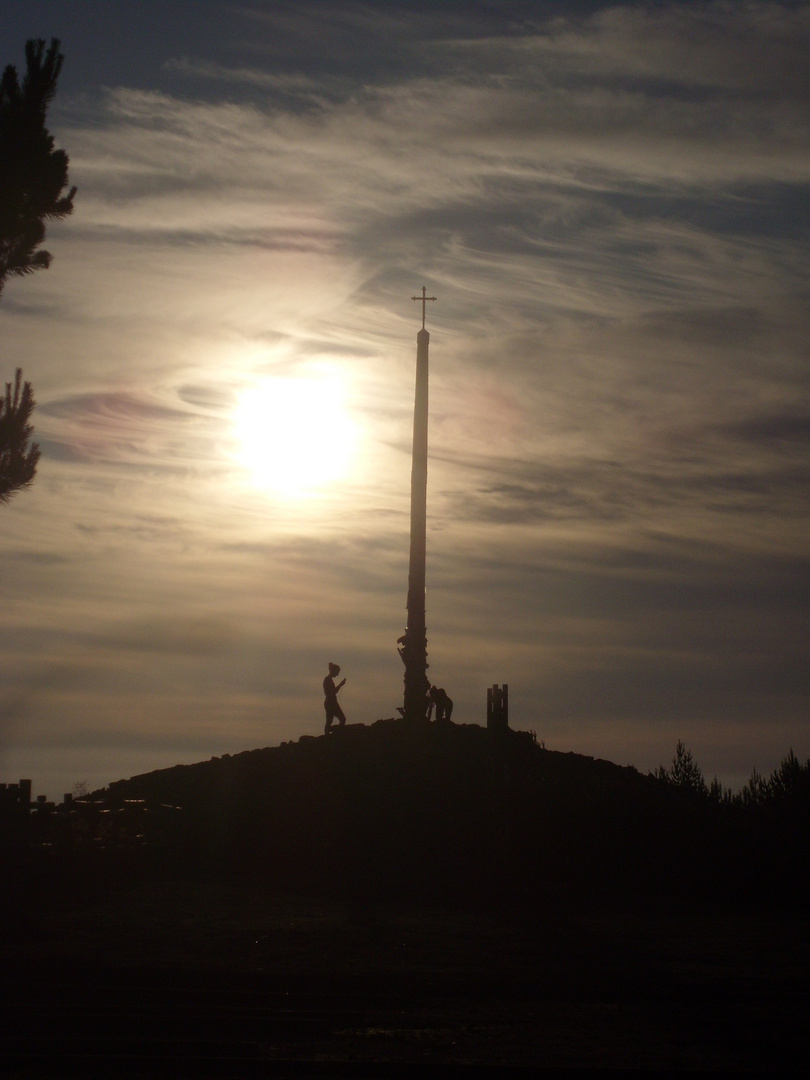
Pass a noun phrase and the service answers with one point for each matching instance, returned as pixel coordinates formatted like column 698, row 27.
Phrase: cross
column 423, row 298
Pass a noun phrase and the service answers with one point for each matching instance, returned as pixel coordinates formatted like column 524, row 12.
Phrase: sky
column 611, row 203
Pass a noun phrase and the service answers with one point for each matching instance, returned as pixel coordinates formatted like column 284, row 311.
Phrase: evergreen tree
column 18, row 455
column 685, row 772
column 33, row 179
column 33, row 175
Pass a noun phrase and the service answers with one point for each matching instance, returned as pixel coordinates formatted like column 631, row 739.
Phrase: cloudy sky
column 610, row 201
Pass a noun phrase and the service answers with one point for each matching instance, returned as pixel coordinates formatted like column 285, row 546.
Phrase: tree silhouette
column 33, row 179
column 18, row 456
column 787, row 786
column 685, row 772
column 33, row 175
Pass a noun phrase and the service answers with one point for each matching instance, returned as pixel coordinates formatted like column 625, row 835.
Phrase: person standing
column 330, row 701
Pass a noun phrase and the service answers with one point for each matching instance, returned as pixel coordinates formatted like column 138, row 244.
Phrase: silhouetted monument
column 413, row 643
column 498, row 708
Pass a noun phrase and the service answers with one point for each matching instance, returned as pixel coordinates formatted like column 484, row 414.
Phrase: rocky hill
column 452, row 812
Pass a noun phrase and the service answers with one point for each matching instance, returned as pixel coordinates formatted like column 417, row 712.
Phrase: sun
column 295, row 436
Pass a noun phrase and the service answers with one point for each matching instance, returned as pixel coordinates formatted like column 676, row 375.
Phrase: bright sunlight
column 296, row 435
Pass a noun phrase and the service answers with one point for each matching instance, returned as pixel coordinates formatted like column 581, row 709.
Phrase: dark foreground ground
column 198, row 980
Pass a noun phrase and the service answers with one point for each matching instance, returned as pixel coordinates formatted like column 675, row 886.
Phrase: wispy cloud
column 612, row 206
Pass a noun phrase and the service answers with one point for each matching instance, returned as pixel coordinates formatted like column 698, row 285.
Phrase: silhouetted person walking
column 441, row 702
column 330, row 701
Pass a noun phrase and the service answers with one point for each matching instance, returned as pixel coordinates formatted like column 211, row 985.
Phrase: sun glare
column 295, row 435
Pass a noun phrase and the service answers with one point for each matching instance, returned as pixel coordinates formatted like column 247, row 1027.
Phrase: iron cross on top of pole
column 424, row 300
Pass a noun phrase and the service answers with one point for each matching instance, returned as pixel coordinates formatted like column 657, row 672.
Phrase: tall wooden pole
column 413, row 645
